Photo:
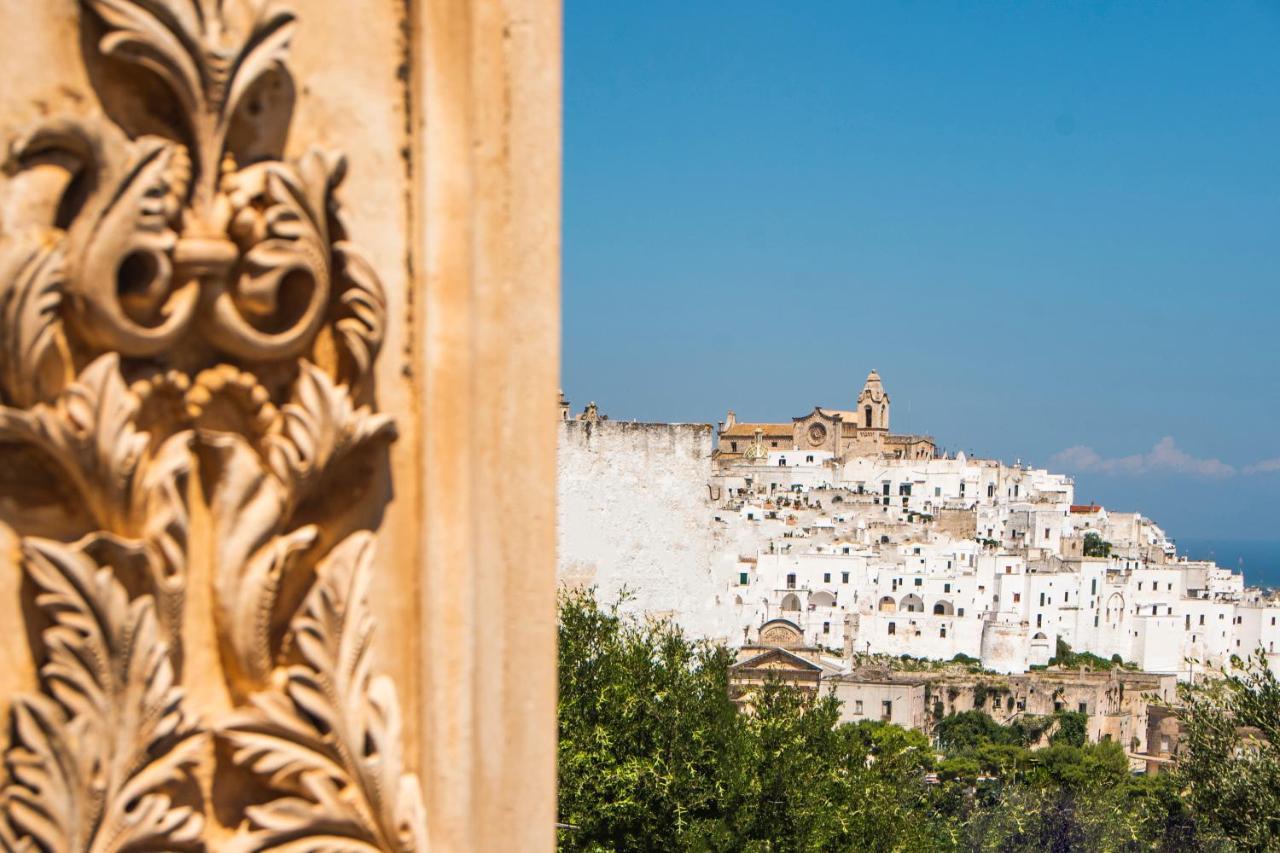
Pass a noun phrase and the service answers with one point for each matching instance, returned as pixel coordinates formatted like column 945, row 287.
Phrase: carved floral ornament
column 179, row 326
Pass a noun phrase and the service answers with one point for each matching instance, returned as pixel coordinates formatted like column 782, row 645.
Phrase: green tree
column 648, row 733
column 1229, row 760
column 1094, row 546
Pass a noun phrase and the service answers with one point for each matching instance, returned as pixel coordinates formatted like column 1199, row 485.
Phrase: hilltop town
column 846, row 545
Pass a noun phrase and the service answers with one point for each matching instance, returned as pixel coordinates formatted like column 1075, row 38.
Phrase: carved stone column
column 278, row 357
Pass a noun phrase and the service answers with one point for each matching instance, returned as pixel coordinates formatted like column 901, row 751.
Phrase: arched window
column 888, row 605
column 791, row 601
column 822, row 599
column 943, row 608
column 911, row 604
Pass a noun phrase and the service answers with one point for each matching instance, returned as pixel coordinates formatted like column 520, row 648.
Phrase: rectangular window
column 937, row 491
column 857, row 706
column 791, row 581
column 1093, row 590
column 1042, row 599
column 844, row 577
column 960, row 612
column 942, row 632
column 1046, row 533
column 886, row 710
column 1038, row 617
column 893, row 628
column 826, row 577
column 946, row 587
column 826, row 627
column 1083, row 707
column 919, row 581
column 742, row 578
column 1017, row 596
column 1201, row 618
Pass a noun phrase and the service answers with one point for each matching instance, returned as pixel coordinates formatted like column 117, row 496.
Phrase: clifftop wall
column 634, row 511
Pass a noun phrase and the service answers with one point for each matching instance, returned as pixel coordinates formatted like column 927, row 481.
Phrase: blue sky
column 1054, row 228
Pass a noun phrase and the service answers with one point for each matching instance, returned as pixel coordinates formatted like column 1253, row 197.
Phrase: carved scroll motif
column 168, row 316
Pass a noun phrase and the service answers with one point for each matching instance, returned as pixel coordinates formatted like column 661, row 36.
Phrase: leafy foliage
column 1094, row 546
column 654, row 755
column 1068, row 659
column 1229, row 761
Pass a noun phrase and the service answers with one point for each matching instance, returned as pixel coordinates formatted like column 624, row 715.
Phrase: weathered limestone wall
column 635, row 512
column 258, row 262
column 957, row 523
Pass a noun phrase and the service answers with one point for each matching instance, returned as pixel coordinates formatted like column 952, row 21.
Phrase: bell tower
column 873, row 405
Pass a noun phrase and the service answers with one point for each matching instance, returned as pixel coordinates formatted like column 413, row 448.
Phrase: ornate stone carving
column 170, row 317
column 331, row 738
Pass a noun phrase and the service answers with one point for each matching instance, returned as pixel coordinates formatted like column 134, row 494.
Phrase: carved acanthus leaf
column 250, row 557
column 321, row 428
column 330, row 740
column 130, row 490
column 206, row 67
column 36, row 362
column 89, row 432
column 364, row 312
column 94, row 761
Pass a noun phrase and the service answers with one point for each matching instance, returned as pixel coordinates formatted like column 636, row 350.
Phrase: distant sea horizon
column 1259, row 559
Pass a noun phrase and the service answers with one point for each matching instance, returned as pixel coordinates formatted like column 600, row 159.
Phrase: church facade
column 838, row 434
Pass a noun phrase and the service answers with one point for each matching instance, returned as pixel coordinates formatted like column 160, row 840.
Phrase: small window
column 844, row 576
column 1038, row 617
column 960, row 612
column 893, row 628
column 733, row 446
column 1017, row 596
column 791, row 581
column 1201, row 618
column 942, row 632
column 946, row 587
column 919, row 581
column 857, row 706
column 742, row 578
column 886, row 710
column 826, row 577
column 826, row 627
column 1083, row 707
